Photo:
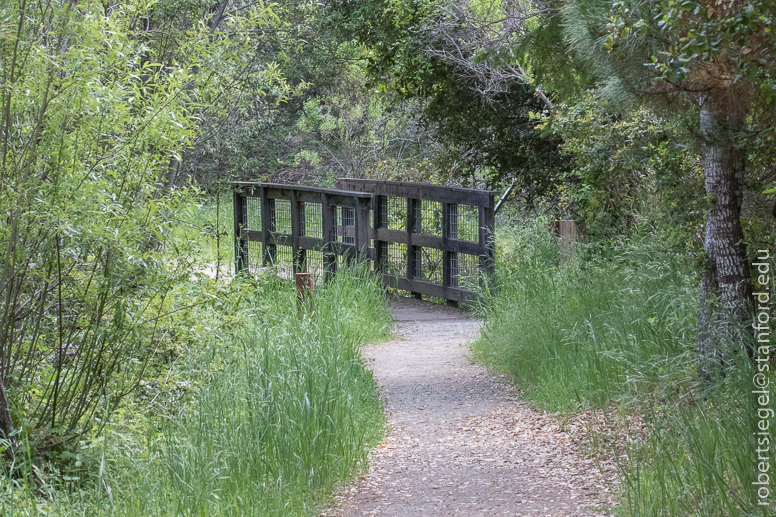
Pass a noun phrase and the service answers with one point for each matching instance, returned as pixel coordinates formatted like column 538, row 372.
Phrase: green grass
column 619, row 334
column 283, row 411
column 288, row 412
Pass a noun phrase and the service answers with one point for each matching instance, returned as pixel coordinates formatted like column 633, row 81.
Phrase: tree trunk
column 726, row 287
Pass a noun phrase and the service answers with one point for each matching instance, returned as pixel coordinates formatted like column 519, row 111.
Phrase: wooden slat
column 450, row 293
column 447, row 275
column 297, row 258
column 267, row 252
column 437, row 193
column 281, row 191
column 328, row 236
column 379, row 217
column 413, row 249
column 428, row 241
column 305, row 243
column 252, row 235
column 487, row 232
column 310, row 243
column 362, row 233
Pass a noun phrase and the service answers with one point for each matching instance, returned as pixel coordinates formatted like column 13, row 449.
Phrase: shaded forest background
column 123, row 332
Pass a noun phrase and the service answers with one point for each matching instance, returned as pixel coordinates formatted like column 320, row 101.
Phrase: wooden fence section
column 430, row 239
column 299, row 228
column 427, row 240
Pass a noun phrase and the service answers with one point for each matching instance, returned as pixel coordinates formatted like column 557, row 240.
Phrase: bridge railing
column 430, row 239
column 298, row 228
column 425, row 239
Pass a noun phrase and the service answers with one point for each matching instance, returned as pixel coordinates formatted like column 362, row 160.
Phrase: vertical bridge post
column 240, row 244
column 329, row 236
column 414, row 223
column 487, row 217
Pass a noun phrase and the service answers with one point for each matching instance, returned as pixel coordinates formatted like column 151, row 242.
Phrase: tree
column 714, row 59
column 461, row 59
column 93, row 109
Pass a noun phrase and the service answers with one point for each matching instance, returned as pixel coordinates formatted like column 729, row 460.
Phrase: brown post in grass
column 304, row 290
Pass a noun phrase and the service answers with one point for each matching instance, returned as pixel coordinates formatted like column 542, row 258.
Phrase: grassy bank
column 251, row 407
column 618, row 334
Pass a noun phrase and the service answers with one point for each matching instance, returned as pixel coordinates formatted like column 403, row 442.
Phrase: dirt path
column 460, row 444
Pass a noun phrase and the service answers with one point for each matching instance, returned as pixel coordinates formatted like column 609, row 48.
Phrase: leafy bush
column 283, row 411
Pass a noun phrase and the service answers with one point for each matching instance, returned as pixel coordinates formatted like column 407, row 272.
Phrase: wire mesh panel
column 312, row 222
column 430, row 265
column 346, row 224
column 430, row 218
column 395, row 213
column 282, row 257
column 253, row 260
column 468, row 223
column 453, row 221
column 464, row 269
column 252, row 213
column 342, row 261
column 314, row 263
column 393, row 258
column 281, row 220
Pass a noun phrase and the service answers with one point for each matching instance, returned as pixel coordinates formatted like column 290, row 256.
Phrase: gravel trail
column 460, row 442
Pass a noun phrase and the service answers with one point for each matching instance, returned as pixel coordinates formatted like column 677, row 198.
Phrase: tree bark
column 726, row 287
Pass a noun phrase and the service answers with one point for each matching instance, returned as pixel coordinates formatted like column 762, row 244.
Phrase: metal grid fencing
column 297, row 229
column 312, row 222
column 430, row 217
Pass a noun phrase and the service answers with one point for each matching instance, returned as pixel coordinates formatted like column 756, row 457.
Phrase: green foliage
column 276, row 409
column 95, row 111
column 346, row 125
column 619, row 335
column 488, row 133
column 576, row 332
column 625, row 163
column 287, row 412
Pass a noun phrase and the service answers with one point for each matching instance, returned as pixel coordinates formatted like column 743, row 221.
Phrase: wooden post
column 570, row 233
column 329, row 235
column 297, row 258
column 240, row 245
column 266, row 227
column 361, row 216
column 304, row 291
column 380, row 221
column 413, row 253
column 447, row 256
column 487, row 241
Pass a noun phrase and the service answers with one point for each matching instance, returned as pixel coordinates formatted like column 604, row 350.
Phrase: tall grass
column 619, row 335
column 287, row 410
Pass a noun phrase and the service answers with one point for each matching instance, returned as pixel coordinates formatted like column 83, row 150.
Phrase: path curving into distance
column 460, row 444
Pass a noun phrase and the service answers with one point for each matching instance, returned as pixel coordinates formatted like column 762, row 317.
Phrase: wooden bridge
column 425, row 239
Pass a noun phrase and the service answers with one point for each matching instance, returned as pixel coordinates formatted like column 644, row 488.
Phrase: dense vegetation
column 138, row 376
column 618, row 335
column 252, row 408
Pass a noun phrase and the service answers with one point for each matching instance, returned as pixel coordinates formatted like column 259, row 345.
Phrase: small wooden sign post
column 304, row 290
column 570, row 233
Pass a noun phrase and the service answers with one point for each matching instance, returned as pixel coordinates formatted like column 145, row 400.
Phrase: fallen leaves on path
column 461, row 444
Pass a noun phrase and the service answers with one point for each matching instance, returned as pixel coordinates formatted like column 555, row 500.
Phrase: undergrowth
column 262, row 408
column 618, row 334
